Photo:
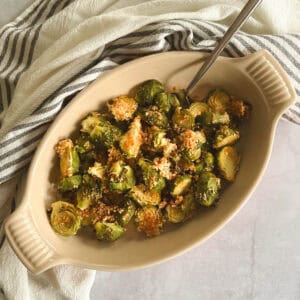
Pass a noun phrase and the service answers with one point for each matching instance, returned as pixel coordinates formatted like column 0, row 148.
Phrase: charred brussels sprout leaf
column 147, row 90
column 132, row 140
column 207, row 189
column 154, row 182
column 108, row 231
column 228, row 162
column 68, row 184
column 149, row 220
column 69, row 159
column 64, row 218
column 121, row 177
column 144, row 197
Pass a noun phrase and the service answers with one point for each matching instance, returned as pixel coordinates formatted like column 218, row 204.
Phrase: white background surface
column 255, row 256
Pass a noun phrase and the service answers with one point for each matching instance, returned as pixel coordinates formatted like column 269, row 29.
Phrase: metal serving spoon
column 238, row 22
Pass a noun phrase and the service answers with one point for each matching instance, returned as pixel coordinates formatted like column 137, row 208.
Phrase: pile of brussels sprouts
column 152, row 157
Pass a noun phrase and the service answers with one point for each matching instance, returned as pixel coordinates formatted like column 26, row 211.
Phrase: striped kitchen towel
column 57, row 47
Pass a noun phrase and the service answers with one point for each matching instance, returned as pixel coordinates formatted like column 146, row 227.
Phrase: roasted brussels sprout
column 147, row 90
column 68, row 184
column 180, row 212
column 225, row 136
column 108, row 231
column 219, row 101
column 191, row 142
column 144, row 197
column 159, row 139
column 69, row 159
column 181, row 184
column 122, row 107
column 64, row 218
column 121, row 177
column 198, row 108
column 132, row 140
column 154, row 117
column 228, row 162
column 166, row 101
column 126, row 213
column 149, row 220
column 207, row 188
column 101, row 130
column 97, row 170
column 154, row 182
column 214, row 118
column 183, row 119
column 89, row 192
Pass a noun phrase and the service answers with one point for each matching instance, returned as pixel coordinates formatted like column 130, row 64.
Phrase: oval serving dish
column 257, row 78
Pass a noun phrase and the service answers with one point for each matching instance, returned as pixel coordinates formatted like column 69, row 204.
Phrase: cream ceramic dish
column 257, row 78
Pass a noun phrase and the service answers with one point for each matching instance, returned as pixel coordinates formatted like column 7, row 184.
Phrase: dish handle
column 272, row 80
column 27, row 243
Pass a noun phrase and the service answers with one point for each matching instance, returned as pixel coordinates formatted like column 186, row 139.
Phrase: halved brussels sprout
column 132, row 140
column 182, row 118
column 122, row 107
column 68, row 156
column 101, row 130
column 154, row 117
column 68, row 184
column 207, row 188
column 108, row 231
column 179, row 213
column 198, row 108
column 191, row 142
column 225, row 136
column 181, row 184
column 149, row 220
column 228, row 162
column 219, row 100
column 144, row 197
column 239, row 109
column 89, row 192
column 97, row 170
column 127, row 212
column 147, row 90
column 166, row 101
column 151, row 176
column 64, row 218
column 121, row 177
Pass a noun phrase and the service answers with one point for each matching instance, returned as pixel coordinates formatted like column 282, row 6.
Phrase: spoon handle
column 235, row 26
